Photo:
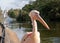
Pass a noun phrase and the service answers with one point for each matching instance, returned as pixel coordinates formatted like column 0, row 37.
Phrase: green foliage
column 51, row 10
column 23, row 16
column 13, row 13
column 28, row 8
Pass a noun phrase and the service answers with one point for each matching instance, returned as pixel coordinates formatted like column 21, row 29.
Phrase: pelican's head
column 34, row 15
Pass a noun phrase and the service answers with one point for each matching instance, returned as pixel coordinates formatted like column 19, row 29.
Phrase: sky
column 8, row 4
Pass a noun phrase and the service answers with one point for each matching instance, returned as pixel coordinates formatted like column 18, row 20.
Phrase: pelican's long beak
column 42, row 21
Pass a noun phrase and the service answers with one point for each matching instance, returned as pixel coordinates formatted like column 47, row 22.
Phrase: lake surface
column 47, row 36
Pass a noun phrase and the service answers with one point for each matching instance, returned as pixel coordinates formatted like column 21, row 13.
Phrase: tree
column 13, row 13
column 1, row 16
column 51, row 10
column 28, row 8
column 23, row 16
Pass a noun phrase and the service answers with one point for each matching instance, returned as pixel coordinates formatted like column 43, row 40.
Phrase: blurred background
column 14, row 14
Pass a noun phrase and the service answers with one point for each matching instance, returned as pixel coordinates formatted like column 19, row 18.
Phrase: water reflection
column 50, row 40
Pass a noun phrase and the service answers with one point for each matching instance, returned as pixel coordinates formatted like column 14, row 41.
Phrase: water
column 47, row 36
column 51, row 40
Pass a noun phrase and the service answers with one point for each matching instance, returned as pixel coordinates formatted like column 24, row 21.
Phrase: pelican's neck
column 34, row 24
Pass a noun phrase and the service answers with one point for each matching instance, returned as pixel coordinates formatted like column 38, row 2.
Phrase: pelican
column 34, row 36
column 10, row 36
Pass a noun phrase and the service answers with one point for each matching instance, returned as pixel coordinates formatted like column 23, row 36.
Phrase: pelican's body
column 10, row 36
column 34, row 36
